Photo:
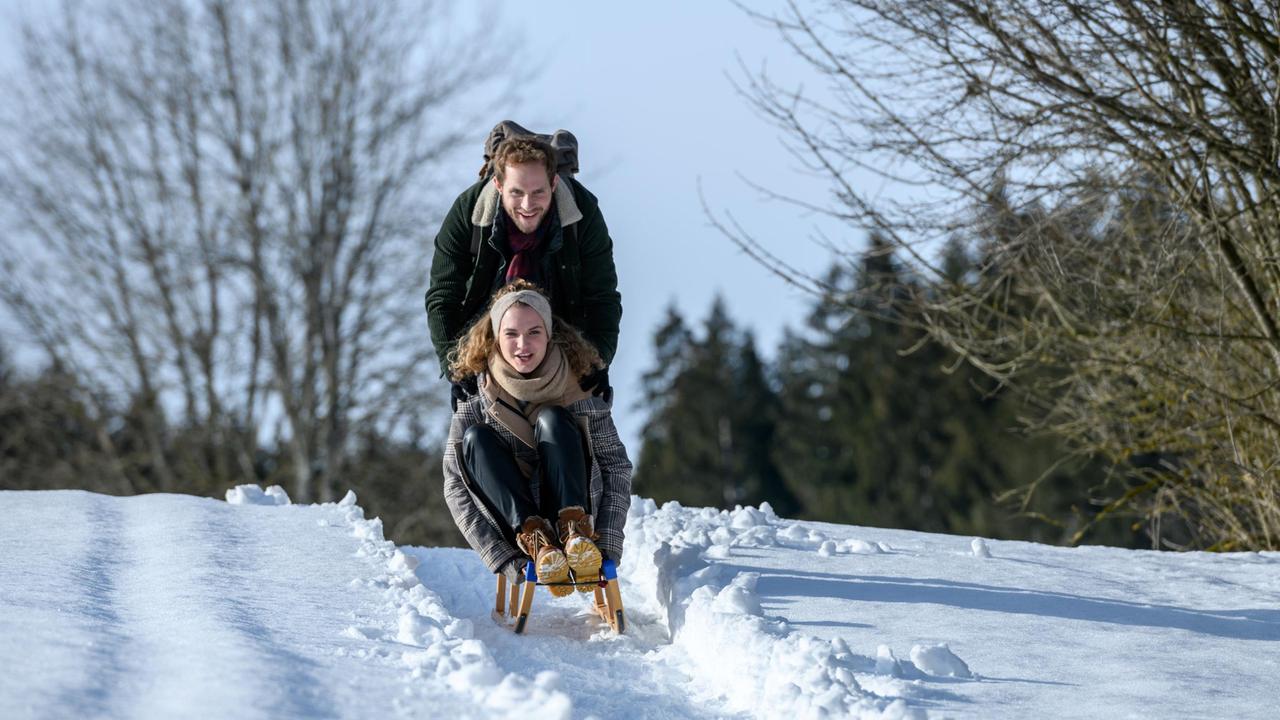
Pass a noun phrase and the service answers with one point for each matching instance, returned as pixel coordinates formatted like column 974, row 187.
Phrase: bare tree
column 221, row 211
column 1116, row 165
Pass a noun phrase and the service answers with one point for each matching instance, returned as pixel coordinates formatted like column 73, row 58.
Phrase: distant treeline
column 859, row 420
column 52, row 438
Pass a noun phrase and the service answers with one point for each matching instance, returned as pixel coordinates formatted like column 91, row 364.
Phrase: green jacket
column 577, row 260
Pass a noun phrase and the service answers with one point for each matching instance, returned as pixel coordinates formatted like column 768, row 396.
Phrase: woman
column 531, row 445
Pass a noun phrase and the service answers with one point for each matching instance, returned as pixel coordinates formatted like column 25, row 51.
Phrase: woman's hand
column 461, row 391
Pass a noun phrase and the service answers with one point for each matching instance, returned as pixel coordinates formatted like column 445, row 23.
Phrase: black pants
column 562, row 468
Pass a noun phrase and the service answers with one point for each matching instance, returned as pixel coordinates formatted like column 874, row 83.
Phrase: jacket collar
column 500, row 406
column 487, row 205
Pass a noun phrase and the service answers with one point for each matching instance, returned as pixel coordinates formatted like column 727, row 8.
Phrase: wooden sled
column 515, row 599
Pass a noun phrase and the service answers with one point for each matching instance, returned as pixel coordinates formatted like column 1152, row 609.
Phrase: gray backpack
column 562, row 141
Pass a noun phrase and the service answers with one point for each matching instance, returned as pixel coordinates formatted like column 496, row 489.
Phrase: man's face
column 526, row 194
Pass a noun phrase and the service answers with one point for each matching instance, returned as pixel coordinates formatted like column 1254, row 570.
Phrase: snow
column 980, row 549
column 273, row 495
column 163, row 606
column 938, row 660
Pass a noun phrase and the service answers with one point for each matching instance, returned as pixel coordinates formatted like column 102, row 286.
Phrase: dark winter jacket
column 609, row 480
column 577, row 263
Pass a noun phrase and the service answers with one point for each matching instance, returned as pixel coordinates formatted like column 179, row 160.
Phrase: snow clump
column 862, row 547
column 255, row 495
column 979, row 547
column 939, row 661
column 886, row 663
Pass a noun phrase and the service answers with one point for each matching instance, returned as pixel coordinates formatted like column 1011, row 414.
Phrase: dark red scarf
column 524, row 248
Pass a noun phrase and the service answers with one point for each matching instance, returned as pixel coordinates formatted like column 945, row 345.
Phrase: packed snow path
column 167, row 606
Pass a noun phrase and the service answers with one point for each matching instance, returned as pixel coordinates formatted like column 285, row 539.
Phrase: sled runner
column 515, row 599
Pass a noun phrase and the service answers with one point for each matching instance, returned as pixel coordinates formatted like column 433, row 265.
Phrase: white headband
column 528, row 297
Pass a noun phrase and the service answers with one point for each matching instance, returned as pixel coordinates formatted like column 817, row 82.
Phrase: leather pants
column 562, row 469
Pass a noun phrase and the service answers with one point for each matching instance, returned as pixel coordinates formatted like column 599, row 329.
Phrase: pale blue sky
column 646, row 88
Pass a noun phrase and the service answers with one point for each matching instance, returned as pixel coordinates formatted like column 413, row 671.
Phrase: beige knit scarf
column 551, row 383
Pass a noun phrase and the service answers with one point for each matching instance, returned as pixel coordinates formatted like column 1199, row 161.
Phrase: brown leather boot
column 536, row 539
column 578, row 538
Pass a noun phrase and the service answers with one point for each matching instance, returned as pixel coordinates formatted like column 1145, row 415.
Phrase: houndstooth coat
column 609, row 480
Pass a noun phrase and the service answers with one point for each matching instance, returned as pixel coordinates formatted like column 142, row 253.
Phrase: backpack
column 562, row 142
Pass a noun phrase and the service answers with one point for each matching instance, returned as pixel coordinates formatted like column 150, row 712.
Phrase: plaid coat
column 609, row 480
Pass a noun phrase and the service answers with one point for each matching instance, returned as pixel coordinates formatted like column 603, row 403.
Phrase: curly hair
column 471, row 355
column 520, row 150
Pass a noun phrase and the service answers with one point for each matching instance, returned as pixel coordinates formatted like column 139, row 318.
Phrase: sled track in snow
column 96, row 571
column 595, row 665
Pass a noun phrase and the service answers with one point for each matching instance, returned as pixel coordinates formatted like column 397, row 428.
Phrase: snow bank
column 753, row 663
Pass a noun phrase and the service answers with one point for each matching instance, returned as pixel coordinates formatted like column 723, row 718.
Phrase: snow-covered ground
column 166, row 606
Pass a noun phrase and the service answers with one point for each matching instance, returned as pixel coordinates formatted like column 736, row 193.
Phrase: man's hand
column 597, row 383
column 461, row 391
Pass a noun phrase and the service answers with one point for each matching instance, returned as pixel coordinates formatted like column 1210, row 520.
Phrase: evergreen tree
column 848, row 444
column 682, row 456
column 711, row 418
column 759, row 476
column 657, row 468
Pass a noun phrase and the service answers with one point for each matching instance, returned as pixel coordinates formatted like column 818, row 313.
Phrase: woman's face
column 522, row 338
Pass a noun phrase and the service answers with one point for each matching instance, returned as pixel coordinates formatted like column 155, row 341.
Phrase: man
column 526, row 222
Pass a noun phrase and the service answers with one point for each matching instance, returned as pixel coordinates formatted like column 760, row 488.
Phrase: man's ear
column 497, row 183
column 554, row 179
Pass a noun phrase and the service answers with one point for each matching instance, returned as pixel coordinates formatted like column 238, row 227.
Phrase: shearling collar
column 486, row 209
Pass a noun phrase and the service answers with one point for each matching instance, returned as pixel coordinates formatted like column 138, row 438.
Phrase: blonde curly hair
column 471, row 355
